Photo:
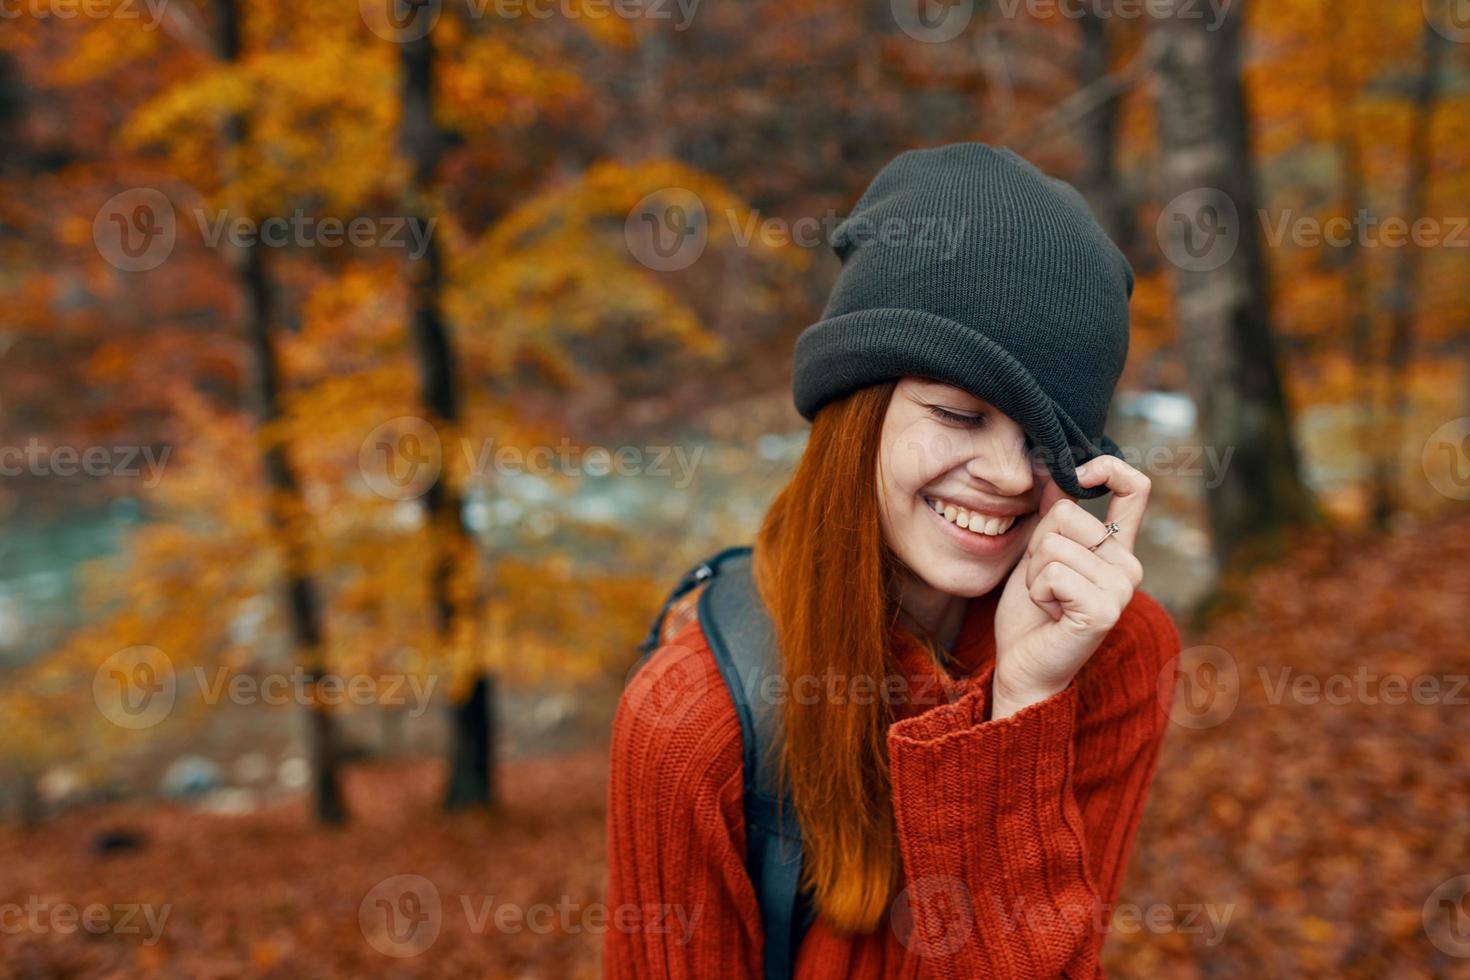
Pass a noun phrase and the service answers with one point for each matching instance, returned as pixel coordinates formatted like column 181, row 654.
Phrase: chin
column 966, row 578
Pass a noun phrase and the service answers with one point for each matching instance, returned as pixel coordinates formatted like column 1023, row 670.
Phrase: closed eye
column 955, row 418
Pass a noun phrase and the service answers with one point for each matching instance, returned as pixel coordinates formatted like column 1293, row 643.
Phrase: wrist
column 1008, row 697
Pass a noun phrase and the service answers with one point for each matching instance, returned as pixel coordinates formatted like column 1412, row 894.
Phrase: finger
column 1130, row 493
column 1067, row 517
column 1084, row 606
column 1078, row 525
column 1095, row 568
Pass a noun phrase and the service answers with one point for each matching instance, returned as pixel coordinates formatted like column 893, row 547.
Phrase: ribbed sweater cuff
column 988, row 827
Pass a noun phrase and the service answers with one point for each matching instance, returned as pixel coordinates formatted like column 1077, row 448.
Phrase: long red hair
column 825, row 574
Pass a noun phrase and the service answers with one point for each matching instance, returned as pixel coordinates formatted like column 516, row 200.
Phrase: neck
column 939, row 613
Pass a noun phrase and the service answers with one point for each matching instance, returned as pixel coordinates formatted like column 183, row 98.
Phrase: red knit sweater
column 1014, row 833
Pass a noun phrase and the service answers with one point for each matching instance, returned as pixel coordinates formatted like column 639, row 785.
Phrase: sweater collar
column 973, row 653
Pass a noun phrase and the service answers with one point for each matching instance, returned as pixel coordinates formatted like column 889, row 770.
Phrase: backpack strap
column 744, row 644
column 692, row 579
column 743, row 641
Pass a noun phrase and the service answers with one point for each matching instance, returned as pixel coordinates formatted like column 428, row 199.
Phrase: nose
column 1003, row 463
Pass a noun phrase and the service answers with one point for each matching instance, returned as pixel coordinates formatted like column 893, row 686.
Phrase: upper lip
column 989, row 510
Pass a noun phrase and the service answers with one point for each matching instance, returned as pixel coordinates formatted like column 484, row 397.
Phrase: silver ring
column 1112, row 528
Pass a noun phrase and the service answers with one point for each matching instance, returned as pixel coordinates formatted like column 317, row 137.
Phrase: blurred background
column 369, row 372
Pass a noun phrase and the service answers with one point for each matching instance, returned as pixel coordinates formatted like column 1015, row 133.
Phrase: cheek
column 920, row 452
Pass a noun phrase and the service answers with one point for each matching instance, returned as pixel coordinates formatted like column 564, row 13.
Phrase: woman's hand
column 1062, row 599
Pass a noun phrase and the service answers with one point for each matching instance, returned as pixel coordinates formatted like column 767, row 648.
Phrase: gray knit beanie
column 967, row 265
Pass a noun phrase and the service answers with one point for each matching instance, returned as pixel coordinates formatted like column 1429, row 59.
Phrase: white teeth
column 974, row 523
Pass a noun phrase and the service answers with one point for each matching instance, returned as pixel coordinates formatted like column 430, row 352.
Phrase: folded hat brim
column 861, row 348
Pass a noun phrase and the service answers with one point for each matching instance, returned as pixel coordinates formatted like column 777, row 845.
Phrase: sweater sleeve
column 1015, row 832
column 680, row 905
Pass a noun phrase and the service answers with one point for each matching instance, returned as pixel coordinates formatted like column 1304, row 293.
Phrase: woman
column 977, row 823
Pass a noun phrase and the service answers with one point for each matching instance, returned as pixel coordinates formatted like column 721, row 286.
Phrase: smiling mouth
column 972, row 521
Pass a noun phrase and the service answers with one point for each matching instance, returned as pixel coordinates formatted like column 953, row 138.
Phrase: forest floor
column 1310, row 818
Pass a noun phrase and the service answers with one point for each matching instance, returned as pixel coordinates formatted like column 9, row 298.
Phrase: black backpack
column 743, row 641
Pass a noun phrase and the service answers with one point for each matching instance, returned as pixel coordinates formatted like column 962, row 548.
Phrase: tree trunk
column 303, row 606
column 1099, row 136
column 471, row 762
column 1406, row 278
column 1353, row 270
column 1209, row 232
